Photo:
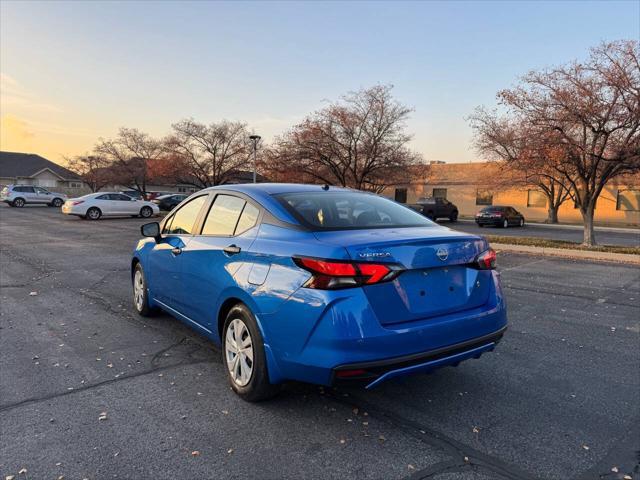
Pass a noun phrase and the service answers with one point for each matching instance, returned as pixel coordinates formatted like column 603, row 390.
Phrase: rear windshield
column 349, row 210
column 492, row 209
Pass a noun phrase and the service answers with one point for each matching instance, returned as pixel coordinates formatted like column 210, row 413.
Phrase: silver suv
column 20, row 195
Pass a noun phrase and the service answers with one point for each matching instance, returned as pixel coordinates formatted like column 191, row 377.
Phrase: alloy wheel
column 18, row 202
column 239, row 352
column 57, row 203
column 138, row 290
column 505, row 224
column 146, row 212
column 93, row 214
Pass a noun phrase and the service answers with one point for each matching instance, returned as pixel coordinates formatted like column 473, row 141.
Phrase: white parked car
column 21, row 195
column 109, row 204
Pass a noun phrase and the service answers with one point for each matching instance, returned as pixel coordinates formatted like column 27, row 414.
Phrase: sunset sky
column 75, row 71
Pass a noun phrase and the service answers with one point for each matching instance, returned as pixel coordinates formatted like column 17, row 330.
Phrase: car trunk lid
column 438, row 277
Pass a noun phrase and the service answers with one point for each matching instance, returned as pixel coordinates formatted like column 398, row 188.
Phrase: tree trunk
column 589, row 239
column 552, row 214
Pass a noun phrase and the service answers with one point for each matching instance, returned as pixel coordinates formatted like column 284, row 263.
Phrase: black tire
column 480, row 225
column 18, row 202
column 93, row 213
column 57, row 202
column 146, row 212
column 431, row 216
column 142, row 304
column 521, row 224
column 258, row 387
column 454, row 216
column 505, row 224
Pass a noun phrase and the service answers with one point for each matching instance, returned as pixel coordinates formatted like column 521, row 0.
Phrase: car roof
column 276, row 188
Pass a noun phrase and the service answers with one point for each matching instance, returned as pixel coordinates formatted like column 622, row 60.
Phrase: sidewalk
column 564, row 226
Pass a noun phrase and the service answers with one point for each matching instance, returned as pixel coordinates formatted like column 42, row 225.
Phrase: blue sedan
column 319, row 284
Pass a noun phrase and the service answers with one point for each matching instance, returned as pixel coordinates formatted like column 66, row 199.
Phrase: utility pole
column 255, row 139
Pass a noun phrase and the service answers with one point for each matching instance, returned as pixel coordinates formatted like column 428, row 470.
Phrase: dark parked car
column 133, row 194
column 168, row 202
column 435, row 208
column 499, row 217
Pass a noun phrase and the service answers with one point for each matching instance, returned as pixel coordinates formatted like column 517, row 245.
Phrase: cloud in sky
column 16, row 96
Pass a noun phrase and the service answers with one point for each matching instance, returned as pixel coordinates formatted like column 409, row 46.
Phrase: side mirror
column 151, row 230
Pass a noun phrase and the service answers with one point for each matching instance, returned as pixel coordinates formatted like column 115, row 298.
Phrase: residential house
column 32, row 169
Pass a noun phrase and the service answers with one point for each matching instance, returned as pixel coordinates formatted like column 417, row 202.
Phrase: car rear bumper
column 490, row 221
column 373, row 373
column 317, row 334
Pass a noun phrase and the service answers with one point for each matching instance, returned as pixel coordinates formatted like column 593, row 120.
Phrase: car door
column 211, row 260
column 103, row 202
column 29, row 194
column 42, row 195
column 120, row 204
column 164, row 260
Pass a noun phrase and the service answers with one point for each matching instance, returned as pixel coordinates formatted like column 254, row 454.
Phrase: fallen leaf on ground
column 614, row 469
column 476, row 430
column 230, row 451
column 103, row 416
column 33, row 294
column 195, row 453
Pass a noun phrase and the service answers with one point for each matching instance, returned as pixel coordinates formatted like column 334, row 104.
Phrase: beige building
column 471, row 186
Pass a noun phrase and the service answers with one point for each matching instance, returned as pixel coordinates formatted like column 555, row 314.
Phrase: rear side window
column 248, row 219
column 349, row 210
column 183, row 221
column 223, row 215
column 121, row 197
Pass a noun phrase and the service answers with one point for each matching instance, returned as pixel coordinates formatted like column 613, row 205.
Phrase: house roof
column 25, row 165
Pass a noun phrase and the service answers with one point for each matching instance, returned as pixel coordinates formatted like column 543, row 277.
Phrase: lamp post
column 255, row 139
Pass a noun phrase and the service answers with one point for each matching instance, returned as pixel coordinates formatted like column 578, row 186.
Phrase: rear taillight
column 335, row 274
column 78, row 202
column 486, row 260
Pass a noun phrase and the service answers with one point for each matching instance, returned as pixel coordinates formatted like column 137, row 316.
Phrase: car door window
column 42, row 191
column 248, row 219
column 183, row 221
column 106, row 196
column 120, row 197
column 223, row 215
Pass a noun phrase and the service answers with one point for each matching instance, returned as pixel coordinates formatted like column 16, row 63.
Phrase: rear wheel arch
column 224, row 310
column 134, row 261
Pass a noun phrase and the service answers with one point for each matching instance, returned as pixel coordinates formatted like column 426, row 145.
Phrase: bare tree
column 527, row 154
column 208, row 155
column 129, row 155
column 359, row 142
column 94, row 170
column 593, row 107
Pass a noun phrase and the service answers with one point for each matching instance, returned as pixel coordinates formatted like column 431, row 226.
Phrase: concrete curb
column 569, row 253
column 571, row 227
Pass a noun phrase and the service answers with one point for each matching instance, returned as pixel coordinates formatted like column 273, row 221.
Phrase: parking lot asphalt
column 625, row 239
column 90, row 390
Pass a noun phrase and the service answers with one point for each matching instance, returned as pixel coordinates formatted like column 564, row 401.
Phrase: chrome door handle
column 231, row 249
column 176, row 250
